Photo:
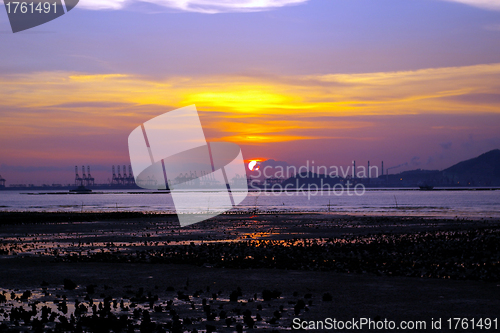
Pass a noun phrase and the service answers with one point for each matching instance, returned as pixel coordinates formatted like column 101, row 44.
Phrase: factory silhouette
column 118, row 180
column 482, row 171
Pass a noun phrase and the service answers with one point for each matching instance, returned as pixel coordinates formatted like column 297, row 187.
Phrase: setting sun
column 253, row 165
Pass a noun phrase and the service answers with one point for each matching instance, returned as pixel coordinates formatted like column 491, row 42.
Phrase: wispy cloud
column 242, row 109
column 486, row 4
column 224, row 6
column 436, row 90
column 103, row 4
column 199, row 6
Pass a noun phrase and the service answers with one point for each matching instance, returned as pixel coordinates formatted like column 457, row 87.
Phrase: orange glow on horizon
column 256, row 111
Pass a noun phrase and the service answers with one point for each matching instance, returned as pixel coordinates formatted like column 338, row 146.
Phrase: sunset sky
column 403, row 81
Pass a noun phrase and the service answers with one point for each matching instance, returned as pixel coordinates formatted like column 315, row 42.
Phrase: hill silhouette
column 481, row 170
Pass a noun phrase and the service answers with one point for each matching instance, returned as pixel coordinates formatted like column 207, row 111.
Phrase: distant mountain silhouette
column 487, row 163
column 482, row 170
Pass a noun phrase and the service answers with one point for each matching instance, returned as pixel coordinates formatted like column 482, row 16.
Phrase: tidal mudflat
column 249, row 272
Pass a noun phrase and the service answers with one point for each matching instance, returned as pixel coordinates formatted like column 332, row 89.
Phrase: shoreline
column 139, row 190
column 26, row 216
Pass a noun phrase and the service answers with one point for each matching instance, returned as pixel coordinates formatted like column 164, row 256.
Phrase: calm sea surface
column 444, row 203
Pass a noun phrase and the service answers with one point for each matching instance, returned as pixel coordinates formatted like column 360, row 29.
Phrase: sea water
column 473, row 203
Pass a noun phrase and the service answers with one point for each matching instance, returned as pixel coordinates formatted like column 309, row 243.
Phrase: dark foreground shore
column 129, row 273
